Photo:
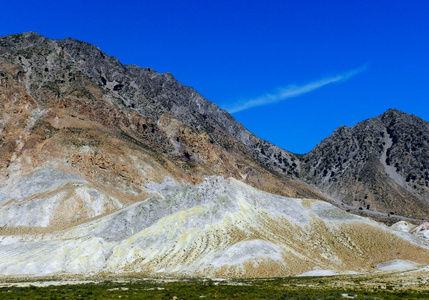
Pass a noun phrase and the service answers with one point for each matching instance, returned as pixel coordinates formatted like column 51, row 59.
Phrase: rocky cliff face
column 381, row 164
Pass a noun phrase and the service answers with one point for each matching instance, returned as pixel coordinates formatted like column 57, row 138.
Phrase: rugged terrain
column 113, row 168
column 66, row 106
column 381, row 165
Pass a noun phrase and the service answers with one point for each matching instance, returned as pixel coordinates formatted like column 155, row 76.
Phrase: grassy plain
column 381, row 286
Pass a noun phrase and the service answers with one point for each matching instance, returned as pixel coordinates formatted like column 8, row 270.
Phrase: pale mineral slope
column 49, row 197
column 220, row 228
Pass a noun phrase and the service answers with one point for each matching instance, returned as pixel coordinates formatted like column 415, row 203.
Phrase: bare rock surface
column 380, row 164
column 78, row 87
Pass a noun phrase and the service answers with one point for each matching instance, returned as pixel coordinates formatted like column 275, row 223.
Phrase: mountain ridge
column 139, row 101
column 117, row 84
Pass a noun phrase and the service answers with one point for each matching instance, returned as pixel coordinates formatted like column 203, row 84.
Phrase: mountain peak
column 378, row 164
column 20, row 40
column 28, row 34
column 395, row 113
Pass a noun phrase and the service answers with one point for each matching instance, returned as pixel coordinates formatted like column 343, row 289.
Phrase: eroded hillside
column 220, row 228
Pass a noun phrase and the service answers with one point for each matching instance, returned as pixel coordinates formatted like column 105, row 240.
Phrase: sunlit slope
column 220, row 228
column 50, row 198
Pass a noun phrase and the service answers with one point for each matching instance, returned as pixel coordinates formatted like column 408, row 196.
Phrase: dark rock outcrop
column 381, row 164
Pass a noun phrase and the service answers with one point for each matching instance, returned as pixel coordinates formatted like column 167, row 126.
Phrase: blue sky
column 291, row 71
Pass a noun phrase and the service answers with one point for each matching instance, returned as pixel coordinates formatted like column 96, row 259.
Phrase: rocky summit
column 111, row 168
column 379, row 165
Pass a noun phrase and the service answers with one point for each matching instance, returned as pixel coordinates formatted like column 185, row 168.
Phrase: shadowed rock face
column 381, row 164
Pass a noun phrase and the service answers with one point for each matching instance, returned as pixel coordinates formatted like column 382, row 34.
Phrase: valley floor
column 393, row 285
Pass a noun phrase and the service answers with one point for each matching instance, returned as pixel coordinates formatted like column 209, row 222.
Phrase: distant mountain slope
column 381, row 164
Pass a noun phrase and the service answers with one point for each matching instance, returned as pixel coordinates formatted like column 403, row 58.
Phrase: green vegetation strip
column 282, row 288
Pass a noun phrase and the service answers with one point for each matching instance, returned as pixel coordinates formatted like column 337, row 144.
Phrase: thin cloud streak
column 293, row 91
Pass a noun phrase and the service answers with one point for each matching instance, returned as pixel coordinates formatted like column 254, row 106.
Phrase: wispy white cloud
column 292, row 91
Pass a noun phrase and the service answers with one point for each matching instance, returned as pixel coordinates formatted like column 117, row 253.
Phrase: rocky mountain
column 67, row 105
column 381, row 165
column 114, row 168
